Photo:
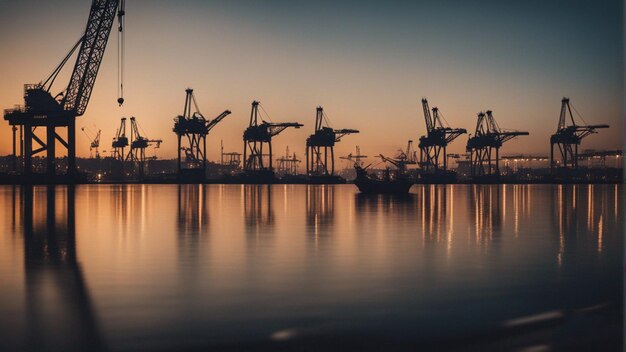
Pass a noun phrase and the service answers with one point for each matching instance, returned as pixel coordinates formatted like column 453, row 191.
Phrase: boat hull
column 383, row 187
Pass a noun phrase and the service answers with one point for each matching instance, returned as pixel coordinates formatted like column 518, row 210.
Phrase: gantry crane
column 487, row 138
column 120, row 142
column 42, row 109
column 320, row 143
column 568, row 138
column 94, row 143
column 138, row 145
column 408, row 156
column 193, row 125
column 433, row 144
column 259, row 133
column 288, row 164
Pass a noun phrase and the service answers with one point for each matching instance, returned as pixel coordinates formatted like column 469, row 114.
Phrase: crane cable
column 266, row 114
column 577, row 113
column 121, row 48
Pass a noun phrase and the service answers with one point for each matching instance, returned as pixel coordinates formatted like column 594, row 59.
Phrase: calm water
column 127, row 267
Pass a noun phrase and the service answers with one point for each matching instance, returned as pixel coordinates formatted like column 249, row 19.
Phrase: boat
column 390, row 183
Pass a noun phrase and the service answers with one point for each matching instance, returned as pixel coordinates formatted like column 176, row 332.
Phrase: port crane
column 94, row 143
column 433, row 145
column 120, row 141
column 191, row 129
column 568, row 137
column 487, row 139
column 288, row 164
column 258, row 134
column 138, row 145
column 407, row 156
column 42, row 109
column 320, row 143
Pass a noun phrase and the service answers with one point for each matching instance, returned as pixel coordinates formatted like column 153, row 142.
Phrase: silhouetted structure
column 60, row 313
column 356, row 157
column 232, row 159
column 195, row 127
column 41, row 109
column 255, row 137
column 320, row 143
column 288, row 164
column 120, row 142
column 568, row 137
column 137, row 154
column 487, row 138
column 433, row 144
column 94, row 143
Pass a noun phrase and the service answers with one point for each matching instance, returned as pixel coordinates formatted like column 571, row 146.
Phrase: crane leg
column 71, row 148
column 28, row 150
column 51, row 150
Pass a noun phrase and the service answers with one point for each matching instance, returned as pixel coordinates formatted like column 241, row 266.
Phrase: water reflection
column 207, row 263
column 486, row 210
column 583, row 210
column 320, row 209
column 192, row 223
column 59, row 310
column 257, row 205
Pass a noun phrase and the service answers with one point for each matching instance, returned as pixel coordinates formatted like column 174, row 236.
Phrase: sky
column 368, row 63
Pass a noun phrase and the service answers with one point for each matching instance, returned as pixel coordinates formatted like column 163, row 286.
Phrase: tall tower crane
column 433, row 144
column 120, row 141
column 42, row 109
column 138, row 145
column 192, row 127
column 94, row 143
column 568, row 137
column 258, row 134
column 320, row 143
column 487, row 138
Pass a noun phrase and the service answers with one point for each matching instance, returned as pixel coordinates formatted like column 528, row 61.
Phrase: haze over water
column 127, row 267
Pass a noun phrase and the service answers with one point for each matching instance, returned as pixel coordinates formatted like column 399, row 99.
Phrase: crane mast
column 41, row 109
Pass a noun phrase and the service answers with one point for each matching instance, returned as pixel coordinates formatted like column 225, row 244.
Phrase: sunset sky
column 367, row 63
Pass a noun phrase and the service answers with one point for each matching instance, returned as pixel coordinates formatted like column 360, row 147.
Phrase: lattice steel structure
column 41, row 109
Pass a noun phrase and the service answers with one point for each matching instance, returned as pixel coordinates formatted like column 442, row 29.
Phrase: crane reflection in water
column 198, row 262
column 59, row 309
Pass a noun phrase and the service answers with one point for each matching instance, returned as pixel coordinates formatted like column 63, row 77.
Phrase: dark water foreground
column 307, row 268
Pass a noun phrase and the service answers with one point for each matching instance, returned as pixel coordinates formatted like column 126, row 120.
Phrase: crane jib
column 101, row 17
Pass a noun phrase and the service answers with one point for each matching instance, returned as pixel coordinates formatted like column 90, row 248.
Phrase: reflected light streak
column 561, row 234
column 516, row 210
column 451, row 222
column 600, row 233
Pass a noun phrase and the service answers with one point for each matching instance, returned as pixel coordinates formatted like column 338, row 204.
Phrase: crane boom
column 90, row 55
column 215, row 121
